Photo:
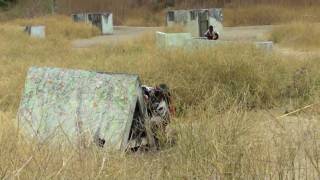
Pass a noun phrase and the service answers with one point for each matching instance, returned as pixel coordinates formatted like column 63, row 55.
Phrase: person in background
column 211, row 34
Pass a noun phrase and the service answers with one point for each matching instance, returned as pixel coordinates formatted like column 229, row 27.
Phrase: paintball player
column 211, row 34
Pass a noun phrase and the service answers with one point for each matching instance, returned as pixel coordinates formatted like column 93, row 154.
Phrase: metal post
column 53, row 6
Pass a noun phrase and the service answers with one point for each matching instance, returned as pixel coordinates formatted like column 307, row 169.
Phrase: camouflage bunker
column 102, row 20
column 196, row 21
column 81, row 106
column 38, row 31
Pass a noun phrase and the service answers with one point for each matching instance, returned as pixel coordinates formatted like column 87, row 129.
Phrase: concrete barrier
column 172, row 40
column 196, row 43
column 102, row 20
column 185, row 41
column 37, row 31
column 265, row 45
column 196, row 21
column 202, row 43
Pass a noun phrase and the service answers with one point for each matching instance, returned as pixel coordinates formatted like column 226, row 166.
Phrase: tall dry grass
column 152, row 13
column 61, row 26
column 225, row 99
column 301, row 35
column 234, row 15
column 270, row 14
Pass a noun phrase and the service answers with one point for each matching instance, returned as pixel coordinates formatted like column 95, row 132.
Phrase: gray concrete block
column 172, row 40
column 102, row 20
column 196, row 21
column 265, row 45
column 38, row 31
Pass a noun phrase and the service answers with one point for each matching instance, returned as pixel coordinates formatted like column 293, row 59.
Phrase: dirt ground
column 123, row 33
column 241, row 33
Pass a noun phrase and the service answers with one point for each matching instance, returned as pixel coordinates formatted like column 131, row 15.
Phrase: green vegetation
column 3, row 3
column 6, row 3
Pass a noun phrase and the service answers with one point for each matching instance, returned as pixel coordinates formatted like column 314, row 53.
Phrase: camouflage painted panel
column 77, row 101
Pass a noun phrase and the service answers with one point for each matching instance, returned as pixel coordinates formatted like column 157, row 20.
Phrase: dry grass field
column 228, row 100
column 299, row 35
column 149, row 13
column 270, row 14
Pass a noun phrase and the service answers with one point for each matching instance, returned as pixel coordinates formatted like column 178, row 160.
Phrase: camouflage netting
column 79, row 103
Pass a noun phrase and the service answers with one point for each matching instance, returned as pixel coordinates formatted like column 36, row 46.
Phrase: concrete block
column 184, row 40
column 172, row 40
column 265, row 45
column 38, row 31
column 107, row 25
column 202, row 43
column 102, row 20
column 196, row 21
